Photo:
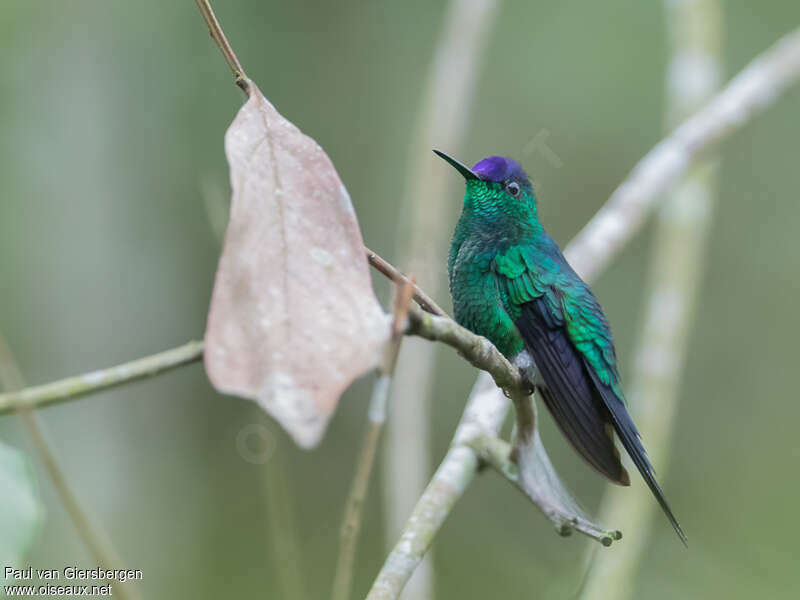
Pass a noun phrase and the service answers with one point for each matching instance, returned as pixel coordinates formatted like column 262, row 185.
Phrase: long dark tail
column 629, row 435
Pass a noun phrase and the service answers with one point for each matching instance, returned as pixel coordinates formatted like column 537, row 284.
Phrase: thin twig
column 393, row 274
column 351, row 524
column 72, row 388
column 98, row 544
column 218, row 35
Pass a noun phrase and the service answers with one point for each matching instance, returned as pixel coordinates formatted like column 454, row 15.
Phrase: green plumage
column 511, row 283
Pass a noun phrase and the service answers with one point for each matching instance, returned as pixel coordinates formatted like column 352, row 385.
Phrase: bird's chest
column 478, row 300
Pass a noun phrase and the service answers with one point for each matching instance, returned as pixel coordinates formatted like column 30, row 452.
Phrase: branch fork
column 524, row 463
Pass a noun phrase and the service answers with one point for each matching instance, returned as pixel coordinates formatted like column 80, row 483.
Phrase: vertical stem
column 351, row 525
column 676, row 268
column 442, row 122
column 378, row 407
column 282, row 524
column 100, row 548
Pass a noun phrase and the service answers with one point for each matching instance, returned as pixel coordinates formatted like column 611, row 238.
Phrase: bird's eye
column 513, row 188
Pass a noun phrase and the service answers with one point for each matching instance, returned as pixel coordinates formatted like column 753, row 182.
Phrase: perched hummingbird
column 511, row 284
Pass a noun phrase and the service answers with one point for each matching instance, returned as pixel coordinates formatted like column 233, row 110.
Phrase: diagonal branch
column 483, row 414
column 387, row 269
column 476, row 349
column 72, row 388
column 480, row 353
column 218, row 35
column 496, row 453
column 751, row 92
column 526, row 464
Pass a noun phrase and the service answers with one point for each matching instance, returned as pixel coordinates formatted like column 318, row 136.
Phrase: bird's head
column 497, row 189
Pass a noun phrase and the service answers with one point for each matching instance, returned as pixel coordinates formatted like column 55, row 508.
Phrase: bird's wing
column 534, row 302
column 587, row 328
column 567, row 334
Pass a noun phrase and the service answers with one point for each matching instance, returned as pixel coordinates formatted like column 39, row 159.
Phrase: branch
column 351, row 524
column 755, row 89
column 482, row 418
column 483, row 414
column 478, row 351
column 78, row 386
column 534, row 474
column 72, row 388
column 215, row 29
column 496, row 453
column 393, row 274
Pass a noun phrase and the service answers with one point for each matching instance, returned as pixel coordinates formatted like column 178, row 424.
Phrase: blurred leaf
column 20, row 510
column 293, row 317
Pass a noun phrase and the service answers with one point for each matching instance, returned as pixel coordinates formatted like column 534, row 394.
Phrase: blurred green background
column 112, row 121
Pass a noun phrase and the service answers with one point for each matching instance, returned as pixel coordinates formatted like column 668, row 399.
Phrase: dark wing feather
column 629, row 435
column 588, row 330
column 567, row 335
column 570, row 395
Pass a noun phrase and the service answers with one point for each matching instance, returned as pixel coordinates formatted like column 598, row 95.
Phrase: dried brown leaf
column 293, row 317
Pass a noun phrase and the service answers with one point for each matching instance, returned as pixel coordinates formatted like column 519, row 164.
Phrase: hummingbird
column 511, row 283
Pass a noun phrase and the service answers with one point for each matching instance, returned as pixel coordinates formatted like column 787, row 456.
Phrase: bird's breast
column 477, row 300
